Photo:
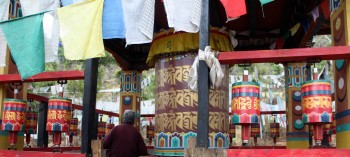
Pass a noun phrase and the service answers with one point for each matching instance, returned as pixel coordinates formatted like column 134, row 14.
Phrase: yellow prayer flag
column 294, row 29
column 81, row 30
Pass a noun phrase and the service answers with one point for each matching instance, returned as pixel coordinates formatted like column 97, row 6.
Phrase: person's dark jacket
column 124, row 141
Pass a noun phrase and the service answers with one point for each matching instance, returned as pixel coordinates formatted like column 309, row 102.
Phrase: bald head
column 128, row 117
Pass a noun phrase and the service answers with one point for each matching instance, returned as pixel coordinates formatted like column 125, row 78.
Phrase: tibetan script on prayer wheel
column 14, row 115
column 59, row 114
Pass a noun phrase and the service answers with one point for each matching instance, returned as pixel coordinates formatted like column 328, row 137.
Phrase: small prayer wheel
column 14, row 118
column 109, row 128
column 245, row 105
column 101, row 129
column 274, row 131
column 317, row 105
column 58, row 117
column 31, row 124
column 232, row 132
column 255, row 132
column 73, row 130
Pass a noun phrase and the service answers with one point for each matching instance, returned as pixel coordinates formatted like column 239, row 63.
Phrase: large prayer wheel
column 245, row 106
column 14, row 115
column 177, row 107
column 317, row 105
column 59, row 114
column 58, row 117
column 14, row 118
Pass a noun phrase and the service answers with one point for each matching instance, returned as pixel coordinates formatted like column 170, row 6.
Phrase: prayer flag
column 26, row 41
column 81, row 34
column 263, row 2
column 4, row 14
column 113, row 20
column 50, row 24
column 234, row 8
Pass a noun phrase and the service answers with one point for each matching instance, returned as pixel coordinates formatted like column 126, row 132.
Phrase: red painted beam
column 289, row 152
column 258, row 147
column 50, row 149
column 74, row 106
column 12, row 153
column 285, row 55
column 44, row 76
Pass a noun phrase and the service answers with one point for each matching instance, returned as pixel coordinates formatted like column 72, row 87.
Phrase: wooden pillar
column 89, row 104
column 203, row 80
column 340, row 22
column 130, row 94
column 42, row 140
column 297, row 131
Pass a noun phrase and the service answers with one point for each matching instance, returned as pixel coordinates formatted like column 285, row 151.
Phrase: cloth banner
column 215, row 74
column 139, row 21
column 234, row 8
column 183, row 15
column 26, row 41
column 113, row 20
column 263, row 2
column 81, row 34
column 294, row 29
column 315, row 13
column 4, row 14
column 50, row 24
column 69, row 2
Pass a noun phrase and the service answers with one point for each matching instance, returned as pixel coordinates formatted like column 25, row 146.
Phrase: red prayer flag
column 234, row 8
column 325, row 8
column 279, row 43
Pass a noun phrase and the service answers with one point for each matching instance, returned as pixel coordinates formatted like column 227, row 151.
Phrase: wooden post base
column 192, row 151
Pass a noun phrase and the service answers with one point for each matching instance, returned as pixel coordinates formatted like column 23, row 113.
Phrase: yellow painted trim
column 4, row 144
column 298, row 144
column 343, row 139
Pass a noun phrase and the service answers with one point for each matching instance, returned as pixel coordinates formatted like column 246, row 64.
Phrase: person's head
column 128, row 117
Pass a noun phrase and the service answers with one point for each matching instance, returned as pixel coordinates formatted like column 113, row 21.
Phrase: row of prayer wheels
column 255, row 131
column 104, row 128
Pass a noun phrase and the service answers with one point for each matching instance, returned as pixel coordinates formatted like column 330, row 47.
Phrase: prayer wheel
column 150, row 133
column 58, row 117
column 73, row 130
column 101, row 130
column 172, row 55
column 31, row 124
column 274, row 131
column 255, row 132
column 317, row 105
column 109, row 128
column 14, row 118
column 232, row 132
column 177, row 108
column 245, row 105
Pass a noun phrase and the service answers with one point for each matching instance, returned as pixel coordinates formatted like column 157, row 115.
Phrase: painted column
column 340, row 21
column 297, row 131
column 130, row 94
column 5, row 92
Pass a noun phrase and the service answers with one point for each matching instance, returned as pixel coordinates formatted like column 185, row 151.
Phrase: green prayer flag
column 263, row 2
column 25, row 39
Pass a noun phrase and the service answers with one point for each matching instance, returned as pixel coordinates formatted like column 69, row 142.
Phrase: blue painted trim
column 342, row 114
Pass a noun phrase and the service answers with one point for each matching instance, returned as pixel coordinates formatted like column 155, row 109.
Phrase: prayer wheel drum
column 101, row 130
column 177, row 108
column 73, row 128
column 316, row 102
column 245, row 103
column 58, row 114
column 274, row 129
column 150, row 131
column 31, row 122
column 255, row 130
column 109, row 128
column 176, row 105
column 232, row 131
column 14, row 115
column 317, row 106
